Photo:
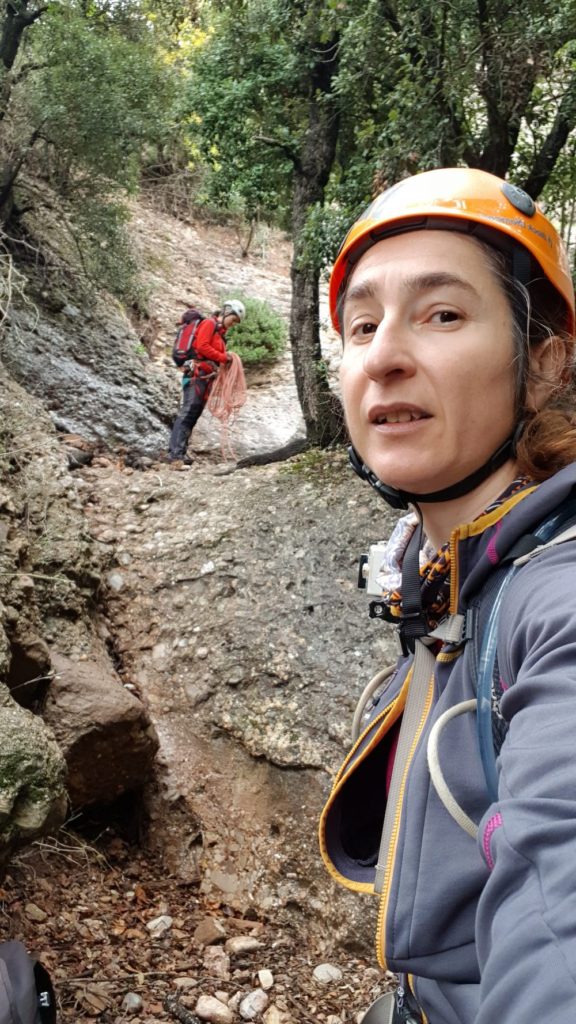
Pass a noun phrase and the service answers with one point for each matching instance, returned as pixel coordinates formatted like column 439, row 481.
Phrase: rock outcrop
column 51, row 572
column 89, row 370
column 103, row 730
column 33, row 797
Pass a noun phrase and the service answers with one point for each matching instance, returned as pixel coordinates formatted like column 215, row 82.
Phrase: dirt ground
column 85, row 909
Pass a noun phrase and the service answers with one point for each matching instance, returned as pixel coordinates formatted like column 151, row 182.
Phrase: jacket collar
column 479, row 547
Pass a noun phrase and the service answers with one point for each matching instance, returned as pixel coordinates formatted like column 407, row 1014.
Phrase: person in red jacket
column 200, row 373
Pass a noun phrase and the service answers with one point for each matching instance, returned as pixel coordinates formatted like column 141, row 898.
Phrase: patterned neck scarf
column 434, row 564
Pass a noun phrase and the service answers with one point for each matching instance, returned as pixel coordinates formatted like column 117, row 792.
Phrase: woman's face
column 230, row 320
column 427, row 371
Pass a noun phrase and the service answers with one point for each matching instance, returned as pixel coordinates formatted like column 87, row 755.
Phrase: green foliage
column 99, row 97
column 241, row 83
column 458, row 83
column 221, row 93
column 99, row 226
column 94, row 93
column 262, row 335
column 323, row 232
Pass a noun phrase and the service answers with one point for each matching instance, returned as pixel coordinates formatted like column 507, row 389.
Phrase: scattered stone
column 274, row 1016
column 266, row 979
column 23, row 582
column 224, row 880
column 106, row 536
column 253, row 1004
column 209, row 932
column 217, row 963
column 159, row 925
column 34, row 912
column 72, row 312
column 327, row 974
column 132, row 1003
column 183, row 984
column 211, row 1009
column 242, row 944
column 234, row 1001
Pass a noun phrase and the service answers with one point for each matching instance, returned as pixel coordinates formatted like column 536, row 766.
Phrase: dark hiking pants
column 194, row 397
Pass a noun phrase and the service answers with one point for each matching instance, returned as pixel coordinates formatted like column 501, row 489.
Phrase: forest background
column 237, row 118
column 279, row 112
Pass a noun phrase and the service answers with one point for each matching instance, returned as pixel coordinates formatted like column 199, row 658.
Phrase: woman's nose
column 389, row 352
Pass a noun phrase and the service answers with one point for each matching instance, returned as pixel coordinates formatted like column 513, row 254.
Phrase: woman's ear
column 548, row 372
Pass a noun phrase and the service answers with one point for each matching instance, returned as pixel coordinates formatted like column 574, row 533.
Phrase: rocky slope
column 226, row 604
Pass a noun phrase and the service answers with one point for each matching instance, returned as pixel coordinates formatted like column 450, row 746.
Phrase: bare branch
column 551, row 148
column 283, row 146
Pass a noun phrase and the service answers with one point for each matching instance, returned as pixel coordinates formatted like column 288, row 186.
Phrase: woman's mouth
column 397, row 415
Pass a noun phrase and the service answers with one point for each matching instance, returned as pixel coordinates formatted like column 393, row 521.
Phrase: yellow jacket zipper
column 391, row 856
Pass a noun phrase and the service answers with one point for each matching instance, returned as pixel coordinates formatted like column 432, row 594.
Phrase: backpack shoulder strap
column 492, row 728
column 480, row 627
column 567, row 534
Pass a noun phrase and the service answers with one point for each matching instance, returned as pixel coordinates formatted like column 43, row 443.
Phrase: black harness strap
column 413, row 624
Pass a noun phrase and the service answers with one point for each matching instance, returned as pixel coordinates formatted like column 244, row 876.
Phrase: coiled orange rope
column 227, row 397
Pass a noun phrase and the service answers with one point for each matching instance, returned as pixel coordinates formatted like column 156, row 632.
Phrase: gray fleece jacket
column 485, row 929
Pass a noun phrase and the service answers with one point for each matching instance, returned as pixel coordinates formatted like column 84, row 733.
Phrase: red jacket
column 209, row 340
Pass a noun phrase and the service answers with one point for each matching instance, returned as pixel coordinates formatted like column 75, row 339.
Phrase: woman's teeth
column 399, row 417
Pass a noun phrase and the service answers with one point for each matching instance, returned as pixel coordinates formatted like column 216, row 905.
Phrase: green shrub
column 262, row 335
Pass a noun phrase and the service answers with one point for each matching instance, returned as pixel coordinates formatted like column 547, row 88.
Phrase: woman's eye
column 445, row 316
column 363, row 330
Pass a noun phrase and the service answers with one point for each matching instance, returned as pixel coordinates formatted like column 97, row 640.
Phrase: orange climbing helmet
column 466, row 200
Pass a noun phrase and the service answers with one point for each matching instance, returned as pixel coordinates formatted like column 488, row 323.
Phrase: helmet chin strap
column 401, row 499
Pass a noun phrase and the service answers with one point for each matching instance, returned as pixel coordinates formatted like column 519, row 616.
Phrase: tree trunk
column 16, row 21
column 320, row 407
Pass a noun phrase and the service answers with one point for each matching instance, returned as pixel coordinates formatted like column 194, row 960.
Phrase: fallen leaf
column 140, row 894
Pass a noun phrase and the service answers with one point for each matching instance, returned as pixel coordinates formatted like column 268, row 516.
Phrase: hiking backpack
column 26, row 993
column 478, row 627
column 183, row 349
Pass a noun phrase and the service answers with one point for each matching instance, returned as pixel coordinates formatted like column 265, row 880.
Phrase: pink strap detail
column 494, row 823
column 491, row 549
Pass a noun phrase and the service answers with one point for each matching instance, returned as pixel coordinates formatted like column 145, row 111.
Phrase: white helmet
column 234, row 306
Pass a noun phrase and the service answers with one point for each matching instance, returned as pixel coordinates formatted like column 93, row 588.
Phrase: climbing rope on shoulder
column 227, row 397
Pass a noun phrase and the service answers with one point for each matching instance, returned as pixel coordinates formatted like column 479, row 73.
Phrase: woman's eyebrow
column 413, row 285
column 364, row 290
column 437, row 279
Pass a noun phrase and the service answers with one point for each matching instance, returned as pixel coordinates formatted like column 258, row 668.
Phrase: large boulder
column 32, row 778
column 104, row 731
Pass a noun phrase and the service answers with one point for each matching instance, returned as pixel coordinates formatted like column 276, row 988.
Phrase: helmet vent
column 519, row 199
